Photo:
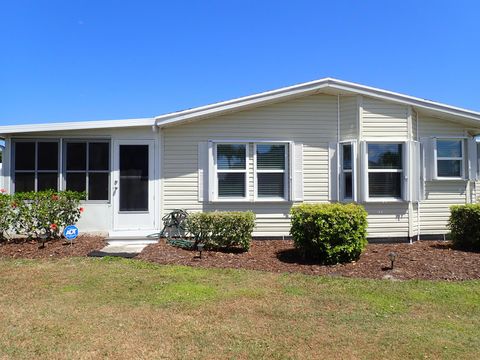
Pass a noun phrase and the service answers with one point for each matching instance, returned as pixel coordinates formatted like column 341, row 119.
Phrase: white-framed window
column 35, row 165
column 385, row 170
column 271, row 171
column 450, row 162
column 231, row 171
column 348, row 171
column 87, row 168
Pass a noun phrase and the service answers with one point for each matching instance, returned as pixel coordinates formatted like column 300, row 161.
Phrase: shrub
column 464, row 224
column 222, row 229
column 331, row 233
column 44, row 214
column 5, row 214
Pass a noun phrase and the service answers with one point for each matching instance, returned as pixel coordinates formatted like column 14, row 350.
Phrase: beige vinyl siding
column 439, row 195
column 310, row 120
column 387, row 220
column 381, row 119
column 348, row 117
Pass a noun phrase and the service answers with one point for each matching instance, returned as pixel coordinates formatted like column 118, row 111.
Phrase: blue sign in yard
column 70, row 232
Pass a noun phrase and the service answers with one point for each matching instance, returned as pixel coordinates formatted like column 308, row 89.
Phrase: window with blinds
column 347, row 171
column 385, row 170
column 450, row 158
column 231, row 164
column 271, row 170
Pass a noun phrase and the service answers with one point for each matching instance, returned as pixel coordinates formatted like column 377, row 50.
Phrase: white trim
column 360, row 117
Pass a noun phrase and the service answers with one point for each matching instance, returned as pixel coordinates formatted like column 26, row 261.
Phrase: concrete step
column 149, row 233
column 130, row 241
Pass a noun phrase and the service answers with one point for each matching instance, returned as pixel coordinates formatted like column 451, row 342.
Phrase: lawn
column 94, row 308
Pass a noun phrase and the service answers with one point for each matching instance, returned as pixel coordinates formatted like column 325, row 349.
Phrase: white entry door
column 133, row 185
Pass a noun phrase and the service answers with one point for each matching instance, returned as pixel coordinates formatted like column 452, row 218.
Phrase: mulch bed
column 433, row 260
column 53, row 249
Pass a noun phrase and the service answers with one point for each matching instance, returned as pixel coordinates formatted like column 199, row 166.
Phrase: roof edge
column 77, row 125
column 240, row 103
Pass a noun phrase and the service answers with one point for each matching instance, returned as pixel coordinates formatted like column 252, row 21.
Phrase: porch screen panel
column 134, row 177
column 25, row 154
column 36, row 165
column 47, row 166
column 88, row 168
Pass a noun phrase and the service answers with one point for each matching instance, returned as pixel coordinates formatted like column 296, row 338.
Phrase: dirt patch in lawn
column 53, row 249
column 434, row 260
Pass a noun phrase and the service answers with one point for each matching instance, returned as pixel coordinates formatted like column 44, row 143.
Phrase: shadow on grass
column 293, row 256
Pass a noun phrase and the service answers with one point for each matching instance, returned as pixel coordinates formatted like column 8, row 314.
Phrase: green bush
column 331, row 233
column 222, row 229
column 464, row 224
column 5, row 214
column 45, row 213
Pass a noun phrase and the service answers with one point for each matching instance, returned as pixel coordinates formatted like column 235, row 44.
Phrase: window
column 231, row 167
column 87, row 168
column 450, row 158
column 385, row 170
column 271, row 171
column 347, row 171
column 35, row 165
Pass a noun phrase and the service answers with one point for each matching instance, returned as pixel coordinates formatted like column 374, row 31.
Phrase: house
column 407, row 160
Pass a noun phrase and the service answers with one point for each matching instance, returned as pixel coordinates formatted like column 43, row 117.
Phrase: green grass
column 94, row 308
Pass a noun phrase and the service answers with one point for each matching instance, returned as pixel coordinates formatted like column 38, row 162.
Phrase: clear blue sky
column 88, row 60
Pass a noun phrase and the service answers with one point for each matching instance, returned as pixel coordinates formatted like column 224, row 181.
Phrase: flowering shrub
column 40, row 215
column 45, row 213
column 5, row 214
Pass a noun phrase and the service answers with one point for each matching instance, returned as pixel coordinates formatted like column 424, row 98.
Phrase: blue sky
column 88, row 60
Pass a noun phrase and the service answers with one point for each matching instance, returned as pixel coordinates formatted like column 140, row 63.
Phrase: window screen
column 449, row 158
column 385, row 170
column 271, row 160
column 231, row 170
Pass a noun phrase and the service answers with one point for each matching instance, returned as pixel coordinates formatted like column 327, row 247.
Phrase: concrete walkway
column 127, row 248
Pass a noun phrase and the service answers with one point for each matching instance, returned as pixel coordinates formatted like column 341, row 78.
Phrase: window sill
column 256, row 201
column 271, row 200
column 450, row 179
column 231, row 200
column 385, row 200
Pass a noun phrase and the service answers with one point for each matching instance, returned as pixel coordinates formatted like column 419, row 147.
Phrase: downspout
column 338, row 147
column 2, row 178
column 423, row 187
column 410, row 172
